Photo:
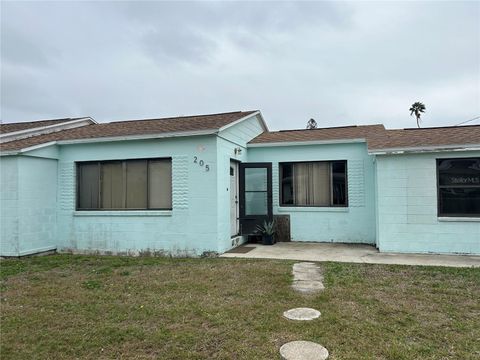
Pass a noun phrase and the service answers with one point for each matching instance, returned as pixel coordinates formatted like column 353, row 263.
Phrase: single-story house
column 195, row 184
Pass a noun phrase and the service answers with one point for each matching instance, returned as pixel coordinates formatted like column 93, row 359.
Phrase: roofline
column 21, row 134
column 422, row 149
column 309, row 142
column 233, row 123
column 111, row 139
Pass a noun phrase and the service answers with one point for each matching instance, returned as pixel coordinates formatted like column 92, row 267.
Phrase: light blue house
column 198, row 184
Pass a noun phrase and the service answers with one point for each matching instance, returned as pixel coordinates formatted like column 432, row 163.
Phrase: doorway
column 255, row 196
column 234, row 201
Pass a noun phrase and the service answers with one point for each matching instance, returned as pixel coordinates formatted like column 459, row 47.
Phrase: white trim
column 42, row 130
column 459, row 219
column 111, row 139
column 29, row 252
column 311, row 142
column 262, row 121
column 124, row 213
column 421, row 149
column 138, row 137
column 27, row 149
column 285, row 209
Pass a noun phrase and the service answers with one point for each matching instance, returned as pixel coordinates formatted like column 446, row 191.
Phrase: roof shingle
column 132, row 127
column 379, row 138
column 12, row 127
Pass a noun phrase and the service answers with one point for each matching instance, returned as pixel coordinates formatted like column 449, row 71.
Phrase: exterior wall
column 235, row 136
column 28, row 205
column 189, row 229
column 37, row 200
column 9, row 206
column 244, row 131
column 354, row 224
column 407, row 208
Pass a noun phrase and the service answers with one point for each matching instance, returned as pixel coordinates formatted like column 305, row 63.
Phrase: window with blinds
column 144, row 184
column 316, row 183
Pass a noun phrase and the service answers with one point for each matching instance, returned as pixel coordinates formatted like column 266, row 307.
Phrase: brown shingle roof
column 12, row 127
column 323, row 134
column 426, row 137
column 132, row 127
column 378, row 138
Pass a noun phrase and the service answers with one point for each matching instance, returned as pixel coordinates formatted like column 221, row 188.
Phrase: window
column 459, row 187
column 320, row 183
column 126, row 184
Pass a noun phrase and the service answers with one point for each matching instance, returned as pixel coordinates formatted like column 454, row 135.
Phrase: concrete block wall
column 28, row 205
column 190, row 228
column 9, row 245
column 407, row 219
column 352, row 224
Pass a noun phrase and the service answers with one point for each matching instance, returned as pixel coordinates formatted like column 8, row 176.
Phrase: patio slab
column 354, row 253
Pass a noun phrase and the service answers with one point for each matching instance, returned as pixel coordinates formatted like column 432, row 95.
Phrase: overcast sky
column 341, row 63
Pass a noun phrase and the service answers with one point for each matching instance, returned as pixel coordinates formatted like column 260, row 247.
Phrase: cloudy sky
column 339, row 62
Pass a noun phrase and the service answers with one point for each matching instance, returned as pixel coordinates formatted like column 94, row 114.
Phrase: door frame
column 253, row 220
column 237, row 194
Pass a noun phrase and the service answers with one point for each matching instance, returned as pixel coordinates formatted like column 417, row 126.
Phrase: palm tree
column 417, row 108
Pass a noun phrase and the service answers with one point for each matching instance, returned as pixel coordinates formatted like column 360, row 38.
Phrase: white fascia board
column 262, row 121
column 138, row 137
column 425, row 149
column 111, row 139
column 22, row 134
column 300, row 143
column 27, row 149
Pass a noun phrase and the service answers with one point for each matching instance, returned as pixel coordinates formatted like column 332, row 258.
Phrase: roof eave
column 424, row 149
column 307, row 142
column 233, row 123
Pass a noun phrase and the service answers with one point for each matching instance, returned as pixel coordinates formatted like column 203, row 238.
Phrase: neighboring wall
column 354, row 224
column 407, row 208
column 28, row 205
column 189, row 229
column 9, row 206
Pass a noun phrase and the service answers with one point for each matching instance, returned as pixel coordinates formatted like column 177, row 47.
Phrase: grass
column 64, row 306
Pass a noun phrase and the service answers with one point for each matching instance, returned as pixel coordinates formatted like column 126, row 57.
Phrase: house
column 197, row 184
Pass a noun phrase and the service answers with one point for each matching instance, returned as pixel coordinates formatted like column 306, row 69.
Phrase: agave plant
column 268, row 228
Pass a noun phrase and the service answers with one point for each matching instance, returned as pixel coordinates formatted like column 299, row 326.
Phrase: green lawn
column 65, row 307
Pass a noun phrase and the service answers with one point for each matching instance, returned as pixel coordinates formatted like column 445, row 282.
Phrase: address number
column 201, row 163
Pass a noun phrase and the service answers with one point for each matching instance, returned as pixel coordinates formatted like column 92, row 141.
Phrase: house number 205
column 201, row 163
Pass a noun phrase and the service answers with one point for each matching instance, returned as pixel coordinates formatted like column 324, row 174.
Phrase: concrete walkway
column 349, row 253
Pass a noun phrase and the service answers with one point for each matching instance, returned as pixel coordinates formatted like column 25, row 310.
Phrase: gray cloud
column 341, row 63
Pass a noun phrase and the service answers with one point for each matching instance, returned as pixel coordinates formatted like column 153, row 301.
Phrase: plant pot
column 268, row 240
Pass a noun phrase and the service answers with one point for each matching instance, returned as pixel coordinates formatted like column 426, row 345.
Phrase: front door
column 255, row 196
column 234, row 221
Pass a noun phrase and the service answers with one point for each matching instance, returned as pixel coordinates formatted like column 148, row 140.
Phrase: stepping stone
column 303, row 350
column 302, row 314
column 307, row 277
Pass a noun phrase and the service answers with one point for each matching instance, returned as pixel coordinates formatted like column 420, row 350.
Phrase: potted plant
column 268, row 232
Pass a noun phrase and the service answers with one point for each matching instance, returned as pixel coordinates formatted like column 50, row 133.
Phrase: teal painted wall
column 407, row 208
column 189, row 229
column 355, row 224
column 235, row 136
column 28, row 205
column 9, row 206
column 244, row 131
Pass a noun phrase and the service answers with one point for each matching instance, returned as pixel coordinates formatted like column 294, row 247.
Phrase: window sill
column 124, row 213
column 312, row 209
column 459, row 219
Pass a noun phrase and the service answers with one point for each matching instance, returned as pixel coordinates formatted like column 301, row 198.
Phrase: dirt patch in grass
column 66, row 306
